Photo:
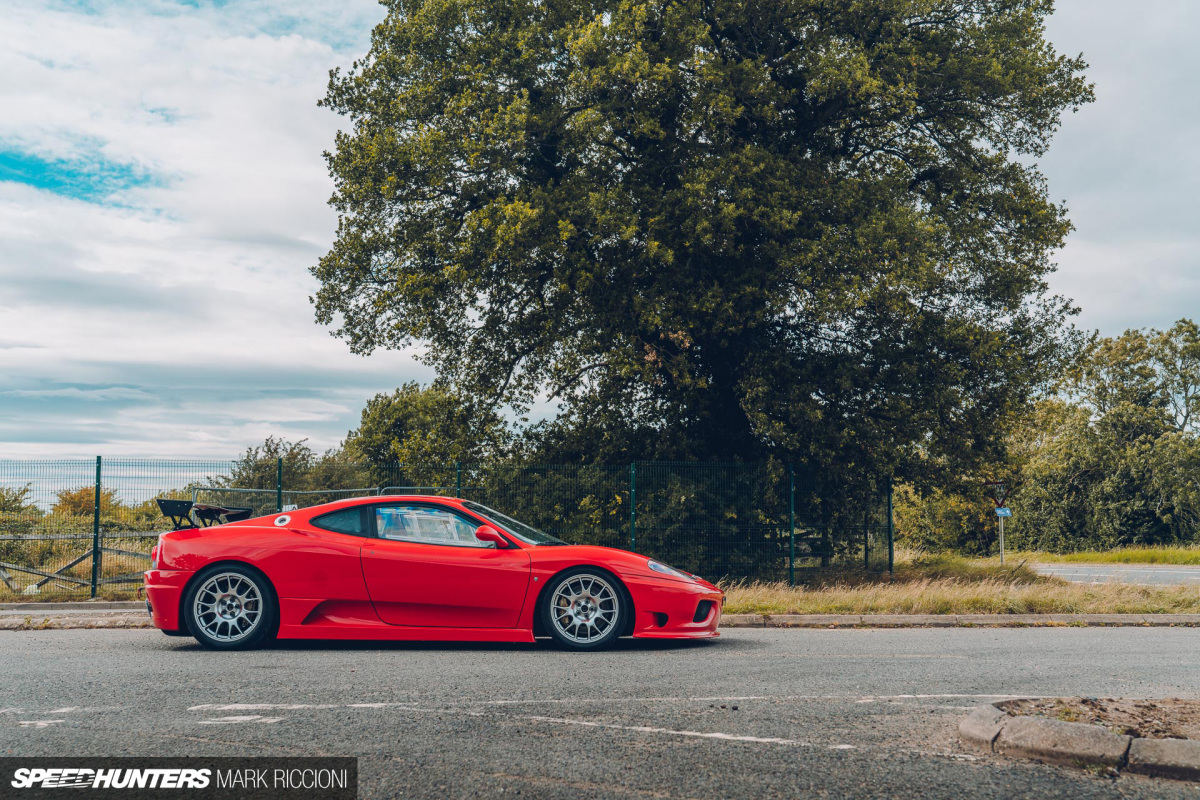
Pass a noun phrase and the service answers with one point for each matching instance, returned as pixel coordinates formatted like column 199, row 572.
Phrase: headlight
column 665, row 570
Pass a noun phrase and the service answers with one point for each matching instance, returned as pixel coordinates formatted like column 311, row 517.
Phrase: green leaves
column 1117, row 464
column 418, row 426
column 710, row 228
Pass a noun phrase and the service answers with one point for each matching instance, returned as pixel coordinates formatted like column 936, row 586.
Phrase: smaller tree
column 415, row 426
column 1116, row 465
column 82, row 500
column 1177, row 353
column 956, row 519
column 16, row 500
column 258, row 467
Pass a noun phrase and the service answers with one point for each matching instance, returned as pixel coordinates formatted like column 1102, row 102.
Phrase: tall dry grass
column 951, row 596
column 942, row 584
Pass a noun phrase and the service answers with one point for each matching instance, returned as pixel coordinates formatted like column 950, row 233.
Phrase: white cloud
column 1127, row 164
column 189, row 290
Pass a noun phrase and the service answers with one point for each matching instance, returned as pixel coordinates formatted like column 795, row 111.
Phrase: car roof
column 387, row 498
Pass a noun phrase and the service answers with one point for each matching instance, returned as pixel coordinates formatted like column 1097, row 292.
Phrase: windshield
column 526, row 533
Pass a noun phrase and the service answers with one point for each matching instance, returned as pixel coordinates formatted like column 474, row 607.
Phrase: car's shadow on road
column 626, row 645
column 541, row 645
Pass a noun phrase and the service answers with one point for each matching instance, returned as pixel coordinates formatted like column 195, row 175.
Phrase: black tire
column 585, row 608
column 230, row 607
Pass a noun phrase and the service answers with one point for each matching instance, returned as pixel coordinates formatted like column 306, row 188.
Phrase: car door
column 426, row 568
column 320, row 560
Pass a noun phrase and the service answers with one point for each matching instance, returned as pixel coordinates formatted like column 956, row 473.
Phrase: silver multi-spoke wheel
column 228, row 607
column 585, row 608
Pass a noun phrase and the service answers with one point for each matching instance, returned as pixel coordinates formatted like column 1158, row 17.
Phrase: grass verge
column 1123, row 555
column 943, row 584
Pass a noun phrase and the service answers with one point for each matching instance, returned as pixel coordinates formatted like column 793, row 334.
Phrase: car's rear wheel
column 585, row 609
column 230, row 607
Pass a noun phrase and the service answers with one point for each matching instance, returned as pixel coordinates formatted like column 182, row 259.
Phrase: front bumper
column 164, row 590
column 667, row 609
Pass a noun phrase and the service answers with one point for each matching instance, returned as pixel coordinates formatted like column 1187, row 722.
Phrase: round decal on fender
column 282, row 520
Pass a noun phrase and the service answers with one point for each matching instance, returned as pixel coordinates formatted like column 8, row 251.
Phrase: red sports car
column 413, row 568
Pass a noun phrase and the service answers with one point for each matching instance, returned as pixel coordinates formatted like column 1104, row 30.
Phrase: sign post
column 1002, row 511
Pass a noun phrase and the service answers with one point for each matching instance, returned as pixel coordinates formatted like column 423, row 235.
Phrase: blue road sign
column 1003, row 512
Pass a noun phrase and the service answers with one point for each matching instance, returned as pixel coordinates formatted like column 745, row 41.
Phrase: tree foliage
column 1113, row 460
column 1118, row 464
column 710, row 228
column 82, row 501
column 17, row 500
column 258, row 467
column 415, row 425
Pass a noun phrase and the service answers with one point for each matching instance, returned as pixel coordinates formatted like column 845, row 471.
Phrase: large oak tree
column 711, row 228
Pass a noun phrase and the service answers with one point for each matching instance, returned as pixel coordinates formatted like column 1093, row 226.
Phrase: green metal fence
column 85, row 527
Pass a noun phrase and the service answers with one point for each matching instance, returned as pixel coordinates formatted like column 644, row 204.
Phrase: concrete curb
column 84, row 605
column 990, row 729
column 957, row 620
column 1057, row 742
column 95, row 619
column 1165, row 758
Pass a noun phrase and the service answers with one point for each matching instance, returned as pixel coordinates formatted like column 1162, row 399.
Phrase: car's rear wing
column 185, row 514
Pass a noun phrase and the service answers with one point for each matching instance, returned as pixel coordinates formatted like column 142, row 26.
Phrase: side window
column 348, row 520
column 425, row 524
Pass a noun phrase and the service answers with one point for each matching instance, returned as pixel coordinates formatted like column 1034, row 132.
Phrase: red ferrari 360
column 413, row 568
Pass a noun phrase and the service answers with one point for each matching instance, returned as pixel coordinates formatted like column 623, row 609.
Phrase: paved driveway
column 758, row 713
column 1127, row 573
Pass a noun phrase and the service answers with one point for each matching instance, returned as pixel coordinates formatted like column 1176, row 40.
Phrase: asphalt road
column 1151, row 574
column 758, row 713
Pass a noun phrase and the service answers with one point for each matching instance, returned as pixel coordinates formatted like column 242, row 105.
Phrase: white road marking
column 11, row 710
column 956, row 756
column 945, row 696
column 720, row 699
column 66, row 710
column 260, row 706
column 591, row 700
column 749, row 697
column 585, row 723
column 40, row 723
column 852, row 655
column 730, row 737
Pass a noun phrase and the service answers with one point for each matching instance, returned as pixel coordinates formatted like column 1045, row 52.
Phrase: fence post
column 458, row 479
column 278, row 485
column 891, row 531
column 633, row 505
column 96, row 533
column 867, row 541
column 792, row 525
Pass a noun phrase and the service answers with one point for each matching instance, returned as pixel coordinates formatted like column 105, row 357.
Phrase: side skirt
column 400, row 633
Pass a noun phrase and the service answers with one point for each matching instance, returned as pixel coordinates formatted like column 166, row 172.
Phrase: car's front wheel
column 585, row 609
column 230, row 607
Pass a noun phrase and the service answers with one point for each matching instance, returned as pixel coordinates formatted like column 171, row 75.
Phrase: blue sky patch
column 92, row 178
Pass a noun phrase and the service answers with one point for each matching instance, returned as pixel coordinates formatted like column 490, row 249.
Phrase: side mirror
column 486, row 533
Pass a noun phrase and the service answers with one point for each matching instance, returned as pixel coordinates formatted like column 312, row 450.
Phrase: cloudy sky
column 162, row 195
